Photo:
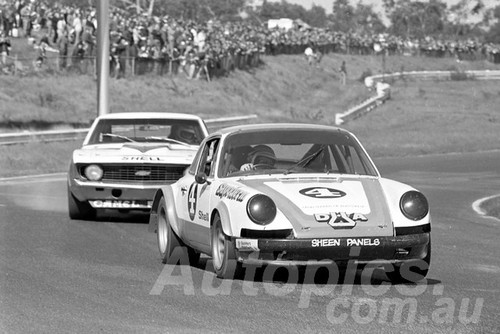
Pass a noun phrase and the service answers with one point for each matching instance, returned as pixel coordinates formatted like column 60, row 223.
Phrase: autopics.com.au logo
column 355, row 293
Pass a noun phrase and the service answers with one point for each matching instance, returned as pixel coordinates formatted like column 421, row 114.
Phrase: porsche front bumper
column 301, row 251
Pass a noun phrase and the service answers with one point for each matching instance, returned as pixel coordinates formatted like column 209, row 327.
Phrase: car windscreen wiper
column 112, row 135
column 168, row 140
column 306, row 160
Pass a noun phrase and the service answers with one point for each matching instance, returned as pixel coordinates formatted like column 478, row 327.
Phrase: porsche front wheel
column 223, row 255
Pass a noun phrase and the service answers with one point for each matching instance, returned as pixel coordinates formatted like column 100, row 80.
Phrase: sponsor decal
column 247, row 244
column 340, row 219
column 115, row 204
column 141, row 158
column 322, row 192
column 203, row 215
column 231, row 193
column 349, row 242
column 325, row 242
column 193, row 195
column 363, row 242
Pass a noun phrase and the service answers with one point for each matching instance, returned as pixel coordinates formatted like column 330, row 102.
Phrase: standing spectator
column 343, row 73
column 62, row 45
column 61, row 26
column 77, row 58
column 53, row 19
column 25, row 19
column 4, row 47
column 118, row 50
column 88, row 45
column 77, row 27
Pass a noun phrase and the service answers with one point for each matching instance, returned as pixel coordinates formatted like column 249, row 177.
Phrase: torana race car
column 126, row 157
column 287, row 194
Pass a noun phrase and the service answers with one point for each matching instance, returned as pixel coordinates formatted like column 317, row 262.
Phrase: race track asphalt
column 64, row 276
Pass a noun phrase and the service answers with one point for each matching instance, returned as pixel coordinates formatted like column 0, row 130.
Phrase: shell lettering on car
column 230, row 193
column 340, row 219
column 193, row 195
column 141, row 158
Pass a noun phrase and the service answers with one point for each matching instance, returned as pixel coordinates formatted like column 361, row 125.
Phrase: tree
column 316, row 16
column 493, row 35
column 342, row 17
column 366, row 20
column 416, row 18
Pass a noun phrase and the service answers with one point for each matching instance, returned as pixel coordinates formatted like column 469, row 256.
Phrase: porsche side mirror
column 200, row 178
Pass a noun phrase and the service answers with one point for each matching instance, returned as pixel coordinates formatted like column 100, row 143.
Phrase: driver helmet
column 262, row 154
column 183, row 133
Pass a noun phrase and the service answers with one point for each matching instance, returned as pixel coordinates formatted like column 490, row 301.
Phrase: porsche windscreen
column 293, row 151
column 147, row 130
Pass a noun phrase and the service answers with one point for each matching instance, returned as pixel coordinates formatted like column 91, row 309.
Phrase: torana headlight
column 93, row 172
column 261, row 209
column 414, row 205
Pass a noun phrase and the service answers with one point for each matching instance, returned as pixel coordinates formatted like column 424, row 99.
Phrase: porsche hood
column 136, row 153
column 329, row 206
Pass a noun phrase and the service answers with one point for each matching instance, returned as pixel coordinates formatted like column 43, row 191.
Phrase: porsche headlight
column 261, row 209
column 414, row 205
column 93, row 172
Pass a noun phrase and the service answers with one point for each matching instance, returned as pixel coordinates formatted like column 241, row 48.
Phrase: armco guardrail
column 383, row 89
column 65, row 135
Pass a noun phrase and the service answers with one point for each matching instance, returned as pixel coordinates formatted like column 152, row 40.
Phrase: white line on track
column 40, row 178
column 30, row 196
column 476, row 206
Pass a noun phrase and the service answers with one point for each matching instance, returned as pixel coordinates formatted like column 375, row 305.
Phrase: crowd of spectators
column 143, row 44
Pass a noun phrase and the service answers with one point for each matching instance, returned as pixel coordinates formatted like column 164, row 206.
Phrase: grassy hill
column 423, row 117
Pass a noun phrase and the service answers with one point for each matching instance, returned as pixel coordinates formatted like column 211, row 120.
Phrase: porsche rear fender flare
column 171, row 212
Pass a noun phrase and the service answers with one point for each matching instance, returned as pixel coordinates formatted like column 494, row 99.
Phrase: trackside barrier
column 66, row 135
column 384, row 91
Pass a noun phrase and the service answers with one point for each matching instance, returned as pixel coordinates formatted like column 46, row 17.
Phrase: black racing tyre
column 223, row 256
column 405, row 273
column 172, row 249
column 79, row 210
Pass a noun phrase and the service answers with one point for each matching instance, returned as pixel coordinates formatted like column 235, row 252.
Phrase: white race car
column 126, row 157
column 286, row 194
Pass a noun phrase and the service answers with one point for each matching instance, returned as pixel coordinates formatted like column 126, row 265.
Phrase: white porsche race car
column 287, row 194
column 126, row 157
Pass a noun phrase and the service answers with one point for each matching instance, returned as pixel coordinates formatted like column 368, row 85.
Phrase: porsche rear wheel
column 172, row 249
column 79, row 210
column 223, row 256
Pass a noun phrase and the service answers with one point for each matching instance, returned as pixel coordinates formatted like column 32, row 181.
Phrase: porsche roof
column 278, row 126
column 148, row 115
